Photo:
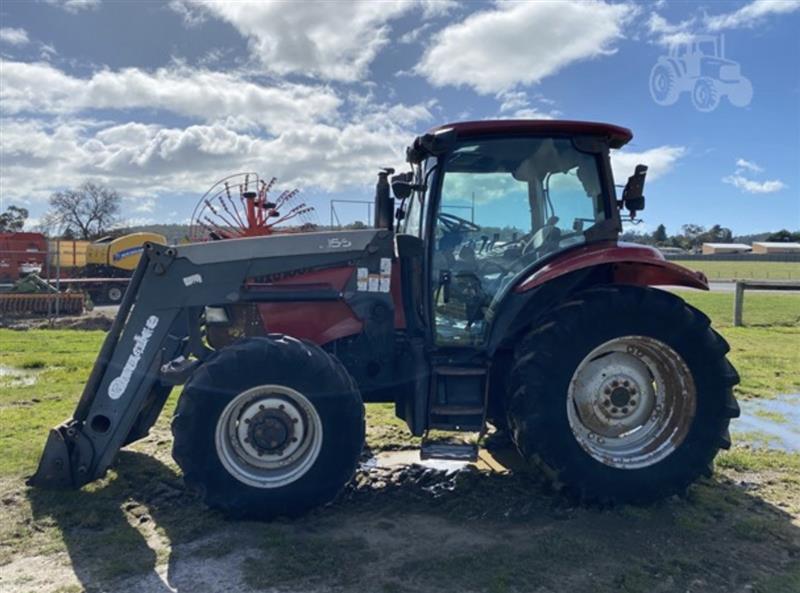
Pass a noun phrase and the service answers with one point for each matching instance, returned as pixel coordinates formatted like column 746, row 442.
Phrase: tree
column 660, row 234
column 86, row 212
column 13, row 219
column 784, row 236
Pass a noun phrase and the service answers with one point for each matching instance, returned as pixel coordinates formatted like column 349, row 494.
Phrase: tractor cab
column 490, row 208
column 485, row 209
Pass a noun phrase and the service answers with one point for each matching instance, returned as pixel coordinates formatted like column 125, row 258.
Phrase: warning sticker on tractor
column 372, row 282
column 361, row 279
column 386, row 274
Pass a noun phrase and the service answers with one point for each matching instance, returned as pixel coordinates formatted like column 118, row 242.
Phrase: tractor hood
column 283, row 246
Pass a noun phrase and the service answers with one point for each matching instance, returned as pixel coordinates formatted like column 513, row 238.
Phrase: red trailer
column 20, row 254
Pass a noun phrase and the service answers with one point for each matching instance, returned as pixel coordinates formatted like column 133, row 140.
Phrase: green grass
column 745, row 459
column 61, row 361
column 766, row 351
column 744, row 270
column 761, row 309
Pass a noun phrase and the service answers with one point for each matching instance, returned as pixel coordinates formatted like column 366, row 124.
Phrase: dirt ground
column 404, row 528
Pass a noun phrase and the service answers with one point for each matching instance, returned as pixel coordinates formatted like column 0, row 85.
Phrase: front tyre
column 269, row 427
column 623, row 394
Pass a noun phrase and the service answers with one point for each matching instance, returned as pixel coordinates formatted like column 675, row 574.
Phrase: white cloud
column 414, row 35
column 521, row 43
column 659, row 160
column 144, row 205
column 146, row 160
column 670, row 33
column 13, row 36
column 750, row 14
column 202, row 94
column 75, row 6
column 740, row 180
column 191, row 14
column 754, row 187
column 328, row 40
column 517, row 104
column 750, row 165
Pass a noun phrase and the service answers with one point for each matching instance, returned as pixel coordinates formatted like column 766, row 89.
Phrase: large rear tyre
column 269, row 427
column 623, row 394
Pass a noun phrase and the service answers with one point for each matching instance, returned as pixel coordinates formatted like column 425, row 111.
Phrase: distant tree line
column 692, row 236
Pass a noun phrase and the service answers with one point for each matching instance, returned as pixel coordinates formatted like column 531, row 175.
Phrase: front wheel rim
column 268, row 436
column 631, row 402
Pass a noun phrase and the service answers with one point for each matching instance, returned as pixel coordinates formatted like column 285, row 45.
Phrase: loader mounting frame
column 156, row 339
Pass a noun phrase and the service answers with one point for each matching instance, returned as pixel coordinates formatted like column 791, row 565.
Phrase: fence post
column 738, row 303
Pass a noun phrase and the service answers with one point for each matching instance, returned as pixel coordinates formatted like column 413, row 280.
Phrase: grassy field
column 745, row 270
column 138, row 529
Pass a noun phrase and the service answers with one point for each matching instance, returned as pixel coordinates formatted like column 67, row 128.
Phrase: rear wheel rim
column 268, row 436
column 631, row 402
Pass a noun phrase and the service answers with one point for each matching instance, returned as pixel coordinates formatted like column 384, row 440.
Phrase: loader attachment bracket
column 57, row 470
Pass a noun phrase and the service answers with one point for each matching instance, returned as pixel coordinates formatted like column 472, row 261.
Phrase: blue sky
column 159, row 100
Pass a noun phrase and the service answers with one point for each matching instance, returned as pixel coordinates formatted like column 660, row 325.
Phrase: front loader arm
column 155, row 340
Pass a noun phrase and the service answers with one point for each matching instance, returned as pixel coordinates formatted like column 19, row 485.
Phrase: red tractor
column 492, row 289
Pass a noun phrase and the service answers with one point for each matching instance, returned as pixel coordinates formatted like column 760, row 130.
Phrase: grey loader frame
column 155, row 341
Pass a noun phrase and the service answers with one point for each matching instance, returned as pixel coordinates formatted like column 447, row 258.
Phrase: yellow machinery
column 121, row 253
column 67, row 253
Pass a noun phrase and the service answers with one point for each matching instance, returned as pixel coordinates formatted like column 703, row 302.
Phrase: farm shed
column 774, row 247
column 712, row 248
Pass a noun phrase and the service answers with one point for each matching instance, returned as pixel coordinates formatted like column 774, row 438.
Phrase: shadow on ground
column 412, row 528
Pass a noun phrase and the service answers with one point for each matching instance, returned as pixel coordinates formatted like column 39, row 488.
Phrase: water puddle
column 772, row 423
column 496, row 461
column 11, row 377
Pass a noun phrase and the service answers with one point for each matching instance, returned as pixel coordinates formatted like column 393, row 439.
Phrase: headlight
column 216, row 315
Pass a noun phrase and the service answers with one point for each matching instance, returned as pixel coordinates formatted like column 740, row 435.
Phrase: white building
column 775, row 247
column 712, row 248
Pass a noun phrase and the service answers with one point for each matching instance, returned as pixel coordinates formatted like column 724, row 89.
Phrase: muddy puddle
column 11, row 377
column 773, row 423
column 487, row 461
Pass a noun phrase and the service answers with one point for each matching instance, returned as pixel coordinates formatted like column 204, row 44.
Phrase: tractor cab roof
column 617, row 136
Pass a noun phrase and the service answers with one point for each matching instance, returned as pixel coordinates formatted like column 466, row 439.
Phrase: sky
column 161, row 99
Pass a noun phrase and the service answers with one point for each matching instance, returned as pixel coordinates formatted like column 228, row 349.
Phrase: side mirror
column 633, row 194
column 401, row 189
column 402, row 186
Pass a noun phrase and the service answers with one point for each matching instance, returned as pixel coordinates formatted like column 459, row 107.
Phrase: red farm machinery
column 491, row 290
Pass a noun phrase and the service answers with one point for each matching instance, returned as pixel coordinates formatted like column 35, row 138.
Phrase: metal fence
column 735, row 257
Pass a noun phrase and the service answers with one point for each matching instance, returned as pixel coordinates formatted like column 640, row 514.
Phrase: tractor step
column 458, row 399
column 449, row 451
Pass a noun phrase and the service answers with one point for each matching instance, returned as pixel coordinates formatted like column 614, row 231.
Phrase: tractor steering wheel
column 456, row 224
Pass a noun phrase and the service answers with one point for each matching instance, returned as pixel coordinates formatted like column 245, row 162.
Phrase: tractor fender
column 555, row 279
column 629, row 263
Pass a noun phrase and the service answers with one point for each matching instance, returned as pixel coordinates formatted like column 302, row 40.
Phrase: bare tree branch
column 86, row 212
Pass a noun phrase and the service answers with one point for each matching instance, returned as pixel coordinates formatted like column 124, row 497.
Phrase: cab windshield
column 505, row 204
